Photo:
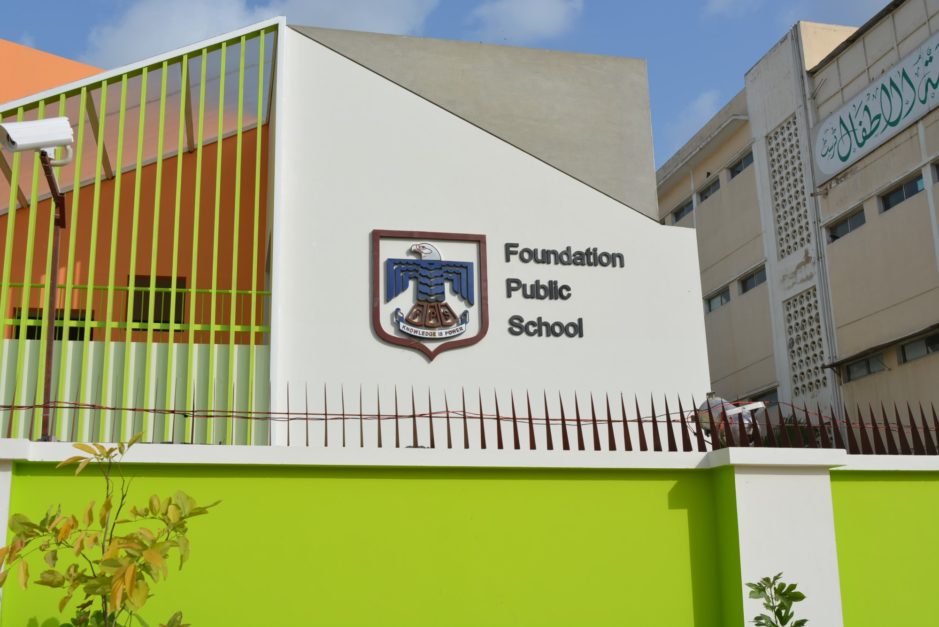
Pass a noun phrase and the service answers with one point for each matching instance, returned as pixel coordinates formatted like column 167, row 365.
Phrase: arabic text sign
column 887, row 106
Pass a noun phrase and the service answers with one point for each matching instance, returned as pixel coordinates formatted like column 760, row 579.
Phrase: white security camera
column 44, row 135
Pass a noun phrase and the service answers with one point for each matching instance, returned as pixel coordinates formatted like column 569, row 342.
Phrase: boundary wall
column 430, row 537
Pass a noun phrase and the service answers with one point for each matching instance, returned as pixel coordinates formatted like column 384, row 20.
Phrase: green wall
column 888, row 546
column 423, row 546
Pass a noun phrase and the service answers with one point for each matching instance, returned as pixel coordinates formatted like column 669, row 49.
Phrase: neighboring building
column 820, row 266
column 233, row 207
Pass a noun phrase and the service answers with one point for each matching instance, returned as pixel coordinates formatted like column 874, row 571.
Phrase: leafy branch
column 108, row 557
column 778, row 598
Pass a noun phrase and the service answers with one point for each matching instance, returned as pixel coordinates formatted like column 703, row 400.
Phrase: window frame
column 721, row 293
column 920, row 185
column 709, row 190
column 849, row 220
column 742, row 280
column 686, row 207
column 748, row 158
column 139, row 288
column 931, row 345
column 869, row 361
column 76, row 332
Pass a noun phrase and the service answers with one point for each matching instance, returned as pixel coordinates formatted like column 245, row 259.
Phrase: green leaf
column 70, row 460
column 51, row 578
column 82, row 465
column 51, row 558
column 85, row 448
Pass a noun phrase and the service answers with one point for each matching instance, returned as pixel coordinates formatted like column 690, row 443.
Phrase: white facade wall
column 359, row 153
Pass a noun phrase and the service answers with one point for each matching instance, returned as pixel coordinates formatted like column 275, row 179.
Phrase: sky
column 697, row 51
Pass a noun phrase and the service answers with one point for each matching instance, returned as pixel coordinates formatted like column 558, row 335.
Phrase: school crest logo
column 429, row 289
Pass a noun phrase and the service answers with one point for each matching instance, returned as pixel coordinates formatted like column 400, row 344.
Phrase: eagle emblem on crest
column 431, row 316
column 424, row 299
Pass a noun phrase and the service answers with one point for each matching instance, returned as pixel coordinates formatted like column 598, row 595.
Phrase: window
column 717, row 300
column 34, row 331
column 844, row 226
column 683, row 210
column 162, row 297
column 742, row 164
column 863, row 367
column 750, row 281
column 900, row 193
column 920, row 348
column 709, row 190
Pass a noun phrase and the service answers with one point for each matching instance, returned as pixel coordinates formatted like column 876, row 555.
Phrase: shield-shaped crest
column 429, row 290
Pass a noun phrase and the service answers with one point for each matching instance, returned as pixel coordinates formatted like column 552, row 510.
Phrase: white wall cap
column 24, row 450
column 354, row 456
column 776, row 457
column 892, row 462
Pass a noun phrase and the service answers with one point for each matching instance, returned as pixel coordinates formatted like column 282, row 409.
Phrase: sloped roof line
column 279, row 21
column 470, row 122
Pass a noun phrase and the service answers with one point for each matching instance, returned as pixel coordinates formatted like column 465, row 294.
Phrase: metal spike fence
column 480, row 420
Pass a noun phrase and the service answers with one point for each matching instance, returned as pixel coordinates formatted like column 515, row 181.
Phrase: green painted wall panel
column 727, row 538
column 422, row 546
column 888, row 548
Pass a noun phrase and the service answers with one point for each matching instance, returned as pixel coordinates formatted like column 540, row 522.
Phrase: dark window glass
column 901, row 192
column 162, row 299
column 920, row 348
column 682, row 211
column 749, row 282
column 76, row 331
column 709, row 190
column 718, row 300
column 845, row 226
column 741, row 165
column 863, row 367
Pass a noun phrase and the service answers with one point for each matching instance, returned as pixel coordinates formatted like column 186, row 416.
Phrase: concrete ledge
column 200, row 454
column 769, row 457
column 892, row 463
column 21, row 450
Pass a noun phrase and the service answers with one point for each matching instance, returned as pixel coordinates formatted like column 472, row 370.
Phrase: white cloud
column 731, row 8
column 27, row 39
column 689, row 120
column 149, row 27
column 524, row 21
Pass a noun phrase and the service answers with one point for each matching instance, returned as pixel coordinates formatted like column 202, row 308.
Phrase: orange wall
column 27, row 71
column 103, row 244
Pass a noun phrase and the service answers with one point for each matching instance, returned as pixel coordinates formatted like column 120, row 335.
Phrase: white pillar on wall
column 785, row 523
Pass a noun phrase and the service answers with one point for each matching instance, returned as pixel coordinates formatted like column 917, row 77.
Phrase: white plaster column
column 785, row 523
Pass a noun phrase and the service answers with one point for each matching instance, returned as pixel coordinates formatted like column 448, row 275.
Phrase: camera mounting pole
column 59, row 199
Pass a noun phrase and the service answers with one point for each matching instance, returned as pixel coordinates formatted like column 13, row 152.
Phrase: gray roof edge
column 470, row 122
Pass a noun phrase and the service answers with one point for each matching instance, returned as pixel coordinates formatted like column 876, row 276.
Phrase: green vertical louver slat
column 254, row 238
column 6, row 317
column 196, row 206
column 87, row 360
column 154, row 247
column 236, row 232
column 70, row 261
column 21, row 376
column 210, row 401
column 170, row 392
column 132, row 270
column 50, row 234
column 107, row 430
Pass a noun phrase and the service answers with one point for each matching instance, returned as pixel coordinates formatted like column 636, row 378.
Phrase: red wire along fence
column 519, row 423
